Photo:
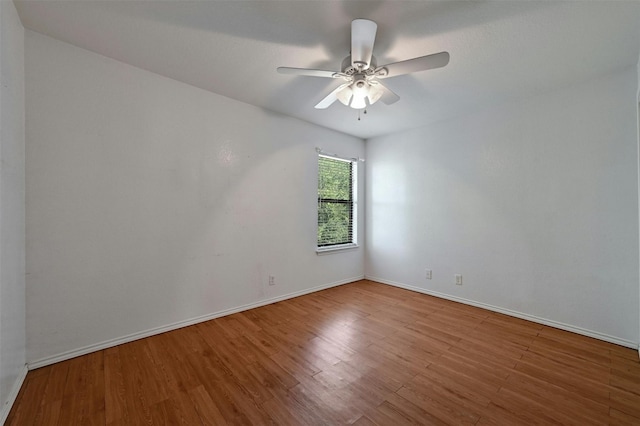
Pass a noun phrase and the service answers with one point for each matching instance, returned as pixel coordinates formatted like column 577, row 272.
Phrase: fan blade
column 363, row 35
column 423, row 63
column 381, row 92
column 388, row 96
column 308, row 72
column 331, row 97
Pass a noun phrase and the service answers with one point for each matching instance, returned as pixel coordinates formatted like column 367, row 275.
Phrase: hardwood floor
column 362, row 353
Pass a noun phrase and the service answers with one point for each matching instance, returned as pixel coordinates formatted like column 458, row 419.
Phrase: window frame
column 331, row 248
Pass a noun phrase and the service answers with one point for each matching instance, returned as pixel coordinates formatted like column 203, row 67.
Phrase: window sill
column 335, row 249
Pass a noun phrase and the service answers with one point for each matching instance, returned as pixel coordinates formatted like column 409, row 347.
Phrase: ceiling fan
column 361, row 73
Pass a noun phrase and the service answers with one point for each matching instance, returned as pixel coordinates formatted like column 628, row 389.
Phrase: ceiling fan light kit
column 361, row 73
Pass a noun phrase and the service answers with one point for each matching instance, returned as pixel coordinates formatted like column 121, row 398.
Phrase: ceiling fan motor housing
column 349, row 69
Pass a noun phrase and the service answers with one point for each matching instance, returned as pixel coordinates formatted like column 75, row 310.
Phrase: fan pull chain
column 365, row 111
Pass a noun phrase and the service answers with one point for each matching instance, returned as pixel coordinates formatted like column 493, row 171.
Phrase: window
column 336, row 203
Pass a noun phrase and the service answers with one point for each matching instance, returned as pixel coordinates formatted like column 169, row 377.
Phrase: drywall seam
column 180, row 324
column 4, row 413
column 533, row 318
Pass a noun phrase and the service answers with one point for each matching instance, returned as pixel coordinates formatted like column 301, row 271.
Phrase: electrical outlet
column 458, row 279
column 428, row 274
column 272, row 280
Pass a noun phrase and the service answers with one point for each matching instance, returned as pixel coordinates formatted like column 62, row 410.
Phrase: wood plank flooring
column 362, row 353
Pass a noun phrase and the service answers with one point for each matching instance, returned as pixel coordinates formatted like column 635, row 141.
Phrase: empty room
column 319, row 212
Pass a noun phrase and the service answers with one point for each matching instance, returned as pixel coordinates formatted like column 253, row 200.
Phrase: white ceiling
column 499, row 50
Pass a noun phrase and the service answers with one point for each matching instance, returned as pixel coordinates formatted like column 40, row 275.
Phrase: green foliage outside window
column 335, row 202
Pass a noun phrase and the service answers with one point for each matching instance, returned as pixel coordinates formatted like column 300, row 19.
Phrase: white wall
column 638, row 142
column 151, row 202
column 12, row 245
column 535, row 202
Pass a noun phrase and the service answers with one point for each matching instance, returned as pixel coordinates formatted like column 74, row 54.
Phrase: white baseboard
column 533, row 318
column 180, row 324
column 6, row 408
